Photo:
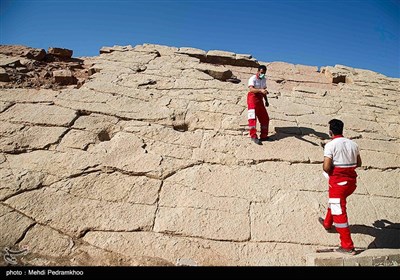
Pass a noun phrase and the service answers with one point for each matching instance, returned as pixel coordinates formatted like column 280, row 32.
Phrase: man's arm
column 327, row 165
column 359, row 162
column 258, row 90
column 266, row 100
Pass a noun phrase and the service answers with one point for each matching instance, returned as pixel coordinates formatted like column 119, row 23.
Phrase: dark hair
column 263, row 67
column 336, row 126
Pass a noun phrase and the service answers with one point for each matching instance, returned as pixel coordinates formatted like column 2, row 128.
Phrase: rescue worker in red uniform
column 255, row 105
column 341, row 158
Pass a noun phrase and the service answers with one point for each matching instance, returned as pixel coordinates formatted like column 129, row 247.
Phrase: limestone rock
column 60, row 52
column 148, row 161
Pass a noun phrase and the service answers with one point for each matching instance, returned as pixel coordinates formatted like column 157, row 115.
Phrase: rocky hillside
column 24, row 67
column 140, row 156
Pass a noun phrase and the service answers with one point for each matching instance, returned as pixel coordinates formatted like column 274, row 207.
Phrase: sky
column 357, row 33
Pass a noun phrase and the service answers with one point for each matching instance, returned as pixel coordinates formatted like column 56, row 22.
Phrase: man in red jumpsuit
column 255, row 105
column 341, row 158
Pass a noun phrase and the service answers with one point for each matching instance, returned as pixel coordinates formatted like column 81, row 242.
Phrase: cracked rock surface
column 149, row 162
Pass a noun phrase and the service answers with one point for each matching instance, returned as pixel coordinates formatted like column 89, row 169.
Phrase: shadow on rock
column 386, row 233
column 299, row 132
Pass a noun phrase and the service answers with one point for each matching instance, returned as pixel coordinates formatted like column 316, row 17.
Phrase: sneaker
column 321, row 221
column 346, row 251
column 256, row 140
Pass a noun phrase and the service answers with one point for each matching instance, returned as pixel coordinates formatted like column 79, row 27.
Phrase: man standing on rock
column 341, row 158
column 255, row 106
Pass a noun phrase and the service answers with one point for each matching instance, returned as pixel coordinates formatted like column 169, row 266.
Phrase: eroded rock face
column 25, row 67
column 149, row 162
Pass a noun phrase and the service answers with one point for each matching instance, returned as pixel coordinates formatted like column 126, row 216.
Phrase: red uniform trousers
column 336, row 214
column 256, row 110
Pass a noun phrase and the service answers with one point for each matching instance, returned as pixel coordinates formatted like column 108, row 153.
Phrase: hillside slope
column 147, row 161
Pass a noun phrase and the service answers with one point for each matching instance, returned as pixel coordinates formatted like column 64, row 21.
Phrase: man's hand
column 266, row 101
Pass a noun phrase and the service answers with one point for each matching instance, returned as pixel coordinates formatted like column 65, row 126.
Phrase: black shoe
column 321, row 221
column 256, row 140
column 269, row 139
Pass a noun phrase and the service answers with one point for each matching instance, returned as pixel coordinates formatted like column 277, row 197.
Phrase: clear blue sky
column 357, row 33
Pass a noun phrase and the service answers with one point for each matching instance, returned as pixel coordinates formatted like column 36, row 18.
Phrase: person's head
column 262, row 69
column 335, row 127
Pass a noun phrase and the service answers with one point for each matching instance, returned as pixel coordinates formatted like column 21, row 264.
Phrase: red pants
column 336, row 214
column 256, row 110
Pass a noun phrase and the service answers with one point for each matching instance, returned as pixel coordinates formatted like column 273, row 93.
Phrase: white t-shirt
column 342, row 151
column 257, row 83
